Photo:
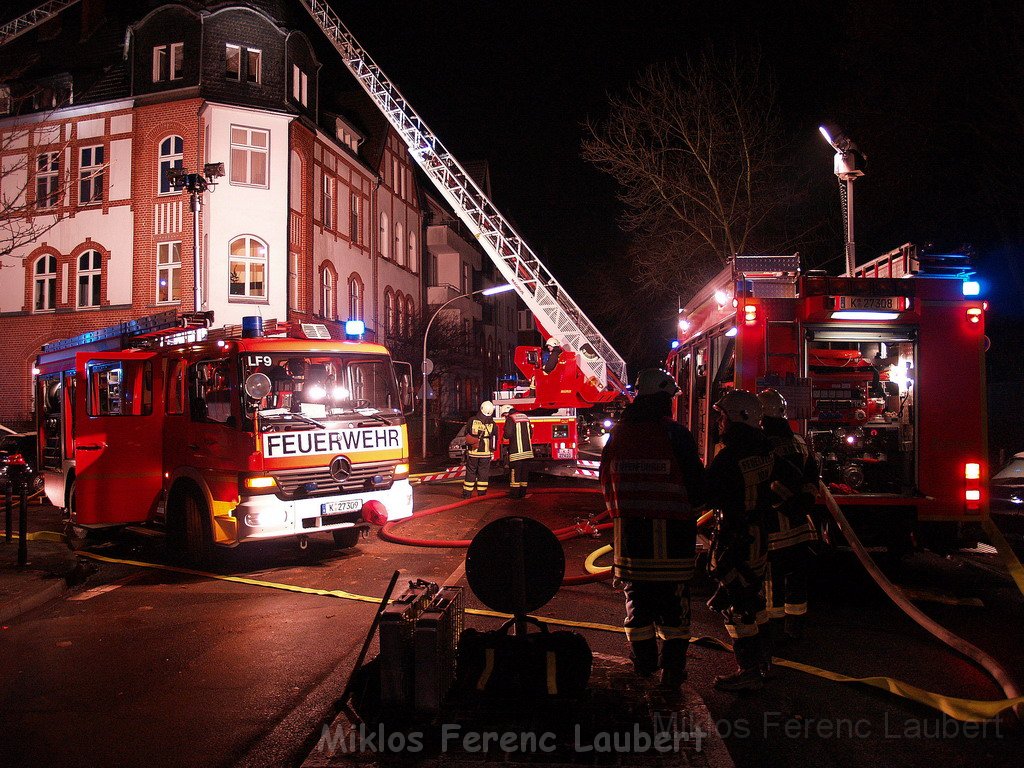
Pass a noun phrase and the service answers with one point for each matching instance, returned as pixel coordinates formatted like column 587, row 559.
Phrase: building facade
column 319, row 216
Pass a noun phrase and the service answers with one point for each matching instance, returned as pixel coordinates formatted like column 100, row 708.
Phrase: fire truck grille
column 317, row 481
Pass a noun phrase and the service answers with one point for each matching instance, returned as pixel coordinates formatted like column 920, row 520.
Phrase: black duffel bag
column 532, row 665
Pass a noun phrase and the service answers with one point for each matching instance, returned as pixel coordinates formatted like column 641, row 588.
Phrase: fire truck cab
column 222, row 439
column 883, row 372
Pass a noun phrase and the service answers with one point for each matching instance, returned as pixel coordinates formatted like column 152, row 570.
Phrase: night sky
column 917, row 86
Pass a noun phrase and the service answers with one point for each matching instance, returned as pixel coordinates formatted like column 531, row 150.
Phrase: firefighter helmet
column 740, row 407
column 773, row 404
column 551, row 343
column 651, row 381
column 487, row 408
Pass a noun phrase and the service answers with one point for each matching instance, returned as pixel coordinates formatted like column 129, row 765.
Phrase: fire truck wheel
column 188, row 532
column 345, row 538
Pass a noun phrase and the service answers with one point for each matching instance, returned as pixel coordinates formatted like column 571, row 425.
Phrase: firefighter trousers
column 518, row 478
column 478, row 471
column 657, row 609
column 786, row 585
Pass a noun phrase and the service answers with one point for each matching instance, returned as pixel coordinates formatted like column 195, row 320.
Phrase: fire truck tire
column 76, row 536
column 188, row 535
column 346, row 538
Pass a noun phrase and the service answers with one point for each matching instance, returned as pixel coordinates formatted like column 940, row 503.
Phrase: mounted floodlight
column 497, row 289
column 972, row 288
column 213, row 171
column 848, row 165
column 731, row 332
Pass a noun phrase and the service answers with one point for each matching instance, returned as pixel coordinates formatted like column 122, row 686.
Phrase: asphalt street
column 152, row 667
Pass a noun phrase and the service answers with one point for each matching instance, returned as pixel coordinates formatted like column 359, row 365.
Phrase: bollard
column 23, row 523
column 8, row 492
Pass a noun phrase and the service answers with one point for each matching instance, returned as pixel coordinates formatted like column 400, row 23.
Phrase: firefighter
column 653, row 480
column 518, row 448
column 480, row 438
column 549, row 358
column 739, row 488
column 790, row 529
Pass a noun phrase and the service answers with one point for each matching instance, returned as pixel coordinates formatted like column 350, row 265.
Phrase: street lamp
column 848, row 165
column 428, row 365
column 195, row 184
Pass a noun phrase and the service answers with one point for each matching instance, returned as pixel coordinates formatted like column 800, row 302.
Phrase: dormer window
column 168, row 62
column 300, row 86
column 242, row 64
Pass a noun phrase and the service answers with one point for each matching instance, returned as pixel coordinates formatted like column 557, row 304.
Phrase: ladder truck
column 589, row 370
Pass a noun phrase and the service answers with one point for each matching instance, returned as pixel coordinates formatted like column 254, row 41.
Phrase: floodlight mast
column 848, row 165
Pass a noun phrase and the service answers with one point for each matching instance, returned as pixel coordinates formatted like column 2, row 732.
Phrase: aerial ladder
column 549, row 302
column 22, row 24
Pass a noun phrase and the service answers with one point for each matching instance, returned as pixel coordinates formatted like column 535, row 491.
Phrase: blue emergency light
column 675, row 344
column 971, row 288
column 355, row 328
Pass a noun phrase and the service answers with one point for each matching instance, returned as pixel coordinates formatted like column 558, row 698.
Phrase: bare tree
column 695, row 151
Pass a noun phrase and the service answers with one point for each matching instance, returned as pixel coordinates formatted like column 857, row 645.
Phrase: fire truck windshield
column 309, row 390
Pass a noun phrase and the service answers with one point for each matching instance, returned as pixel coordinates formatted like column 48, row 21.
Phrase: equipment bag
column 533, row 665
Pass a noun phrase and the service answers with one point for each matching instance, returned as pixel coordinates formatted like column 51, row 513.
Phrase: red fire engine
column 222, row 437
column 883, row 371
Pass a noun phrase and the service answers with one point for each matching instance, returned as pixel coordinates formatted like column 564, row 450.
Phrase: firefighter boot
column 644, row 654
column 673, row 663
column 770, row 635
column 794, row 626
column 748, row 676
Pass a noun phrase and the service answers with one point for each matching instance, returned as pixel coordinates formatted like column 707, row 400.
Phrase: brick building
column 319, row 216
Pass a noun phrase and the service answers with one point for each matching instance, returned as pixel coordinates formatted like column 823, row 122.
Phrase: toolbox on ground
column 397, row 625
column 435, row 643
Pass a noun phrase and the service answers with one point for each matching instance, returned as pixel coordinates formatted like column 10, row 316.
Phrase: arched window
column 45, row 283
column 389, row 312
column 355, row 298
column 399, row 249
column 410, row 315
column 385, row 236
column 248, row 268
column 400, row 315
column 171, row 156
column 413, row 254
column 328, row 281
column 89, row 274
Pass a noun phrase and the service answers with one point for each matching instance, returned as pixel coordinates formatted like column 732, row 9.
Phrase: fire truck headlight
column 401, row 470
column 315, row 392
column 339, row 393
column 266, row 518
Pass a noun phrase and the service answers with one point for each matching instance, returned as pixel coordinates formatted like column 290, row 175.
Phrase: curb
column 16, row 608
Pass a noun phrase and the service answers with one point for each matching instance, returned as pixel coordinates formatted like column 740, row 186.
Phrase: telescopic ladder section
column 518, row 264
column 33, row 18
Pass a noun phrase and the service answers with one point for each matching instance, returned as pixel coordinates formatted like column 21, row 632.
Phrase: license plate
column 565, row 453
column 334, row 507
column 891, row 303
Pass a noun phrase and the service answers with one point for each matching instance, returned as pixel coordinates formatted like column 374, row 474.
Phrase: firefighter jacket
column 794, row 485
column 482, row 428
column 652, row 480
column 739, row 487
column 517, row 436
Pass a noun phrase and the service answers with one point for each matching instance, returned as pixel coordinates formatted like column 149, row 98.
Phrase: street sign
column 428, row 366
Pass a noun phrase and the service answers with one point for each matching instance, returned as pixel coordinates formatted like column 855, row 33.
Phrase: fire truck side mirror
column 257, row 385
column 406, row 391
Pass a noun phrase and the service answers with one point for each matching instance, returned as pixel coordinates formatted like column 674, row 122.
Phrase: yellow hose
column 591, row 562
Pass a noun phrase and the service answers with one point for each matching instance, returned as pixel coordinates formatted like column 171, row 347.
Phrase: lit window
column 248, row 268
column 327, row 305
column 253, row 61
column 232, row 62
column 355, row 299
column 90, row 175
column 389, row 312
column 293, row 279
column 399, row 250
column 413, row 261
column 354, row 221
column 300, row 85
column 48, row 180
column 250, row 156
column 399, row 315
column 385, row 236
column 168, row 62
column 327, row 202
column 89, row 274
column 45, row 283
column 171, row 156
column 168, row 273
column 410, row 314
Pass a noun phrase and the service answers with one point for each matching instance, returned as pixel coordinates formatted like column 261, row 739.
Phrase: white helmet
column 740, row 407
column 552, row 342
column 487, row 408
column 773, row 404
column 652, row 381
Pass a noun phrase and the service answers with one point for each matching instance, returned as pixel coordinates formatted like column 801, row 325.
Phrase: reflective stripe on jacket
column 483, row 430
column 518, row 431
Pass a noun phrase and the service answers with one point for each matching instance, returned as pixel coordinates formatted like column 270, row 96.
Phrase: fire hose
column 569, row 532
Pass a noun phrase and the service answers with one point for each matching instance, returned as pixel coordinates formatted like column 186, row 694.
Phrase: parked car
column 12, row 442
column 1007, row 486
